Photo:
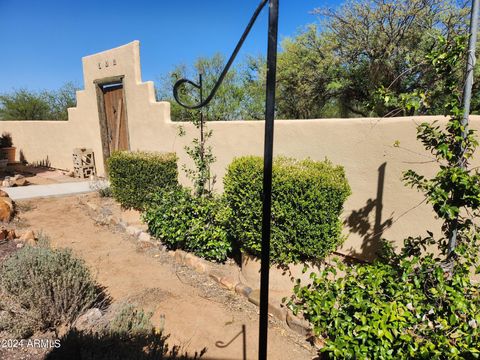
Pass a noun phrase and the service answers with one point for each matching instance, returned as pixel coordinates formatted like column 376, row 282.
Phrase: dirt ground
column 37, row 175
column 195, row 311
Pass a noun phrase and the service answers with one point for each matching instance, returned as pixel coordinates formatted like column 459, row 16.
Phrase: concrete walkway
column 36, row 191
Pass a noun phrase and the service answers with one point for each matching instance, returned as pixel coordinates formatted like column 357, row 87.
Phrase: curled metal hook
column 225, row 69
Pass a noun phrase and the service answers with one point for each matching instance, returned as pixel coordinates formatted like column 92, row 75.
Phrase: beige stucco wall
column 362, row 146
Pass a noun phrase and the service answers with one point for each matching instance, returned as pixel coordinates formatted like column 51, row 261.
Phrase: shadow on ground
column 76, row 345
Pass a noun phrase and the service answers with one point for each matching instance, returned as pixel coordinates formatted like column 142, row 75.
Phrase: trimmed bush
column 195, row 224
column 134, row 176
column 42, row 288
column 307, row 199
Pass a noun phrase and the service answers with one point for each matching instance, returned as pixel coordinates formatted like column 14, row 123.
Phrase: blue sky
column 43, row 41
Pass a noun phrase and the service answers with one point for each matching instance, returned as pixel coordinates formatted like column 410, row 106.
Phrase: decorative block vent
column 83, row 163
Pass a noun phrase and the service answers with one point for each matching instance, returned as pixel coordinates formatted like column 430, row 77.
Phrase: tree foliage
column 237, row 98
column 24, row 104
column 335, row 68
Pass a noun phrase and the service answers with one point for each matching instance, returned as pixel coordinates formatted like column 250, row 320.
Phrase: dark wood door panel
column 117, row 132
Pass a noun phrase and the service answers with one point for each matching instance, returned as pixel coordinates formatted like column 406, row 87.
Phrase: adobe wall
column 365, row 147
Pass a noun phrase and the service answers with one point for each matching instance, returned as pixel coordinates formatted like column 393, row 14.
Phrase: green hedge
column 134, row 176
column 195, row 224
column 307, row 200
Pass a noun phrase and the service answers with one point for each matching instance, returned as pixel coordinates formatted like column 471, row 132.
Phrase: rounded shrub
column 307, row 200
column 195, row 224
column 135, row 175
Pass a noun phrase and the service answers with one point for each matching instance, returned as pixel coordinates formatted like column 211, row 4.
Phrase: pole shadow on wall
column 359, row 221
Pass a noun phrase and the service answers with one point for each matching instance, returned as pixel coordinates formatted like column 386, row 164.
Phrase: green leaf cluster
column 135, row 175
column 195, row 224
column 203, row 158
column 400, row 307
column 307, row 199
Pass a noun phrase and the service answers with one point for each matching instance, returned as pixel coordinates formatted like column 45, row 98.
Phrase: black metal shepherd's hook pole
column 267, row 176
column 268, row 150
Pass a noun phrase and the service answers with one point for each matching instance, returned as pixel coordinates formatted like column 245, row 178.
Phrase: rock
column 200, row 267
column 18, row 177
column 275, row 310
column 88, row 320
column 215, row 275
column 3, row 193
column 316, row 342
column 254, row 297
column 228, row 282
column 132, row 230
column 20, row 182
column 6, row 209
column 11, row 235
column 31, row 242
column 20, row 245
column 300, row 326
column 144, row 245
column 243, row 289
column 28, row 236
column 7, row 200
column 92, row 206
column 8, row 182
column 3, row 234
column 189, row 260
column 180, row 256
column 143, row 236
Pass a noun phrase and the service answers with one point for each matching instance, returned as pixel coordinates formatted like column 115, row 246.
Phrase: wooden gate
column 115, row 118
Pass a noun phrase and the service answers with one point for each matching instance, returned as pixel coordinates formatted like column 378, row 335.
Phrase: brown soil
column 196, row 312
column 38, row 175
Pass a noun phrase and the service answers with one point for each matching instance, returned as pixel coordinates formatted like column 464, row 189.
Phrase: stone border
column 203, row 266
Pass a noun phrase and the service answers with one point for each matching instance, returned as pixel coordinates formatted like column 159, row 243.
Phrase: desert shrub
column 102, row 187
column 307, row 199
column 404, row 307
column 136, row 175
column 105, row 192
column 130, row 320
column 42, row 288
column 6, row 140
column 195, row 224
